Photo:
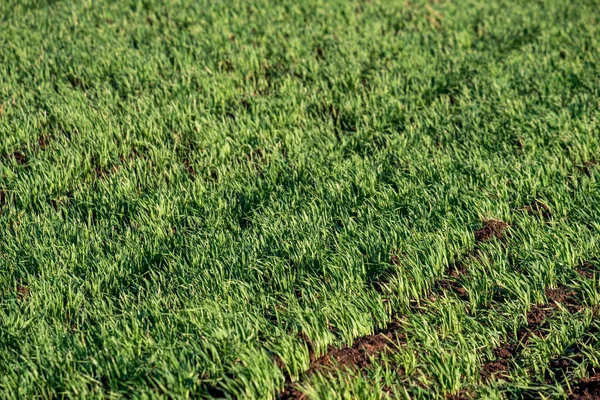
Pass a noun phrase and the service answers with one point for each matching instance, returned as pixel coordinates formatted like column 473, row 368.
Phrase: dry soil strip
column 562, row 366
column 537, row 319
column 365, row 348
column 359, row 355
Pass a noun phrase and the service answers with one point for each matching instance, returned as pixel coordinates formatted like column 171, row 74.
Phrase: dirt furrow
column 357, row 356
column 366, row 348
column 538, row 318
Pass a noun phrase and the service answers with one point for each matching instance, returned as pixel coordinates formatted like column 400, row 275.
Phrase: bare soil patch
column 587, row 270
column 565, row 296
column 537, row 321
column 588, row 389
column 451, row 282
column 22, row 292
column 357, row 356
column 492, row 228
column 453, row 285
column 536, row 207
column 501, row 365
column 18, row 156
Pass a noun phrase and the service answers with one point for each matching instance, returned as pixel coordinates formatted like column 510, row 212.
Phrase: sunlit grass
column 191, row 191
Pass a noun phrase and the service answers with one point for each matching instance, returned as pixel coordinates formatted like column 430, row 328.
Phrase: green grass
column 191, row 189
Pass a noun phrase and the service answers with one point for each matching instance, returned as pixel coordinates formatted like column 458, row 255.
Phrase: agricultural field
column 300, row 199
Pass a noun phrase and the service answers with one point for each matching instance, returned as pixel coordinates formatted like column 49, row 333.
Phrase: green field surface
column 299, row 199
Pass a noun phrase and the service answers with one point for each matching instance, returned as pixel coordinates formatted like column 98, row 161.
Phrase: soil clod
column 565, row 296
column 501, row 365
column 587, row 270
column 588, row 389
column 359, row 355
column 536, row 322
column 22, row 292
column 493, row 228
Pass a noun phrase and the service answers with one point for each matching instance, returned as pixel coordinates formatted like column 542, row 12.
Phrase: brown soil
column 291, row 393
column 462, row 395
column 19, row 157
column 567, row 297
column 357, row 356
column 22, row 292
column 587, row 270
column 538, row 208
column 279, row 362
column 563, row 366
column 537, row 320
column 457, row 270
column 451, row 285
column 501, row 365
column 454, row 273
column 561, row 294
column 43, row 141
column 537, row 316
column 588, row 166
column 588, row 389
column 492, row 228
column 536, row 323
